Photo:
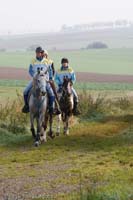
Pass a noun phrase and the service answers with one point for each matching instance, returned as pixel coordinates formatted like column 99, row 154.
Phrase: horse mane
column 66, row 80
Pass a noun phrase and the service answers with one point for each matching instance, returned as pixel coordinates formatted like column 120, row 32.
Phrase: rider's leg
column 76, row 101
column 51, row 98
column 25, row 109
column 57, row 106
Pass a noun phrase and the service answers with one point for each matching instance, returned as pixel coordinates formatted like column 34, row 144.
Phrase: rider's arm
column 31, row 72
column 73, row 77
column 50, row 72
column 57, row 80
column 53, row 69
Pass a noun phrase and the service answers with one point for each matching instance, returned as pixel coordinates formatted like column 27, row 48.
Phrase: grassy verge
column 95, row 162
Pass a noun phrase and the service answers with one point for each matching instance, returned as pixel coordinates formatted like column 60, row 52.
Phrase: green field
column 9, row 89
column 95, row 162
column 112, row 61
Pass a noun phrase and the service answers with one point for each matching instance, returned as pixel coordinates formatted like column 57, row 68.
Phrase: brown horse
column 66, row 106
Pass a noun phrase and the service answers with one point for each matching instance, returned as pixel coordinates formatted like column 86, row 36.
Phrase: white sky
column 20, row 16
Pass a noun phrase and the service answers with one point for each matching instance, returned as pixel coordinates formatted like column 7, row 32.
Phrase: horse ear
column 65, row 77
column 46, row 72
column 38, row 70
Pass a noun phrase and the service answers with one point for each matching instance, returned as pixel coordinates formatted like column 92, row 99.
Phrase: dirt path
column 45, row 185
column 22, row 74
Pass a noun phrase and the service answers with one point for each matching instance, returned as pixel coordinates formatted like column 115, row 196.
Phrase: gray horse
column 38, row 102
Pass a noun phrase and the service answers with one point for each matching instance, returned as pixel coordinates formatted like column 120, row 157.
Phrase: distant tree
column 2, row 50
column 97, row 45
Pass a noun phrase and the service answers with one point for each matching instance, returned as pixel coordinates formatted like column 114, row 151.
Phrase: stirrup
column 25, row 109
column 76, row 112
column 58, row 112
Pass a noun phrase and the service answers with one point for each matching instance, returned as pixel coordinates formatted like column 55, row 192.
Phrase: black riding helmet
column 64, row 60
column 39, row 50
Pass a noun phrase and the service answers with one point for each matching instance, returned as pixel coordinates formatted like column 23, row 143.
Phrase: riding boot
column 25, row 109
column 57, row 109
column 51, row 104
column 75, row 109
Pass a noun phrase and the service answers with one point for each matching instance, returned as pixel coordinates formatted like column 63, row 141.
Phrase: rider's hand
column 60, row 88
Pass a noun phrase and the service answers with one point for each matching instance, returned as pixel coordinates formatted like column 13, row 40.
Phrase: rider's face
column 38, row 54
column 44, row 55
column 65, row 64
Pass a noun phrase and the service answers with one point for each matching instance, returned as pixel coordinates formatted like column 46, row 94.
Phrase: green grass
column 79, row 85
column 13, row 83
column 113, row 61
column 96, row 156
column 9, row 89
column 95, row 162
column 9, row 93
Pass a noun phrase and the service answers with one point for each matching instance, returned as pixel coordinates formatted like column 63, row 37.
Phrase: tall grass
column 11, row 117
column 92, row 107
column 96, row 107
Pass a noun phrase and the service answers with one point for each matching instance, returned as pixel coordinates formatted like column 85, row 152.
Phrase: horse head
column 67, row 86
column 40, row 81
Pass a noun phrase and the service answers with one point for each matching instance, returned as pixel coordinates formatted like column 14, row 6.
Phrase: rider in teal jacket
column 36, row 63
column 64, row 71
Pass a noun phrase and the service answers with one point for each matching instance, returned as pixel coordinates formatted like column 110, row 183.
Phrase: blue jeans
column 49, row 91
column 29, row 87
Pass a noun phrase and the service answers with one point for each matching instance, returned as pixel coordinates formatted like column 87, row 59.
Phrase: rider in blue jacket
column 64, row 71
column 39, row 62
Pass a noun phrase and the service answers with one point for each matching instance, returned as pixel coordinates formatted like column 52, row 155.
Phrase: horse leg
column 38, row 132
column 43, row 136
column 64, row 122
column 44, row 127
column 66, row 125
column 58, row 125
column 51, row 135
column 32, row 126
column 45, row 122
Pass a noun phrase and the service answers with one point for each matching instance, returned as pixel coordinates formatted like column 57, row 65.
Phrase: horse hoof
column 57, row 134
column 51, row 135
column 37, row 144
column 66, row 133
column 43, row 140
column 34, row 136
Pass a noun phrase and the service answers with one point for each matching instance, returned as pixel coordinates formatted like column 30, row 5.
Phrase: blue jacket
column 40, row 63
column 62, row 72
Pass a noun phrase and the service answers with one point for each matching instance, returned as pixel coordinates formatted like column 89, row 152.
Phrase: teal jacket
column 63, row 72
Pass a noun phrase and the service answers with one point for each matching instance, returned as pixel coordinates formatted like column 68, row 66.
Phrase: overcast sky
column 20, row 16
